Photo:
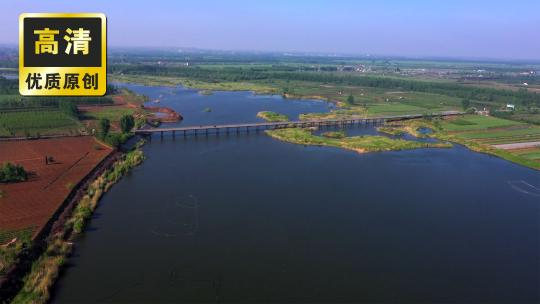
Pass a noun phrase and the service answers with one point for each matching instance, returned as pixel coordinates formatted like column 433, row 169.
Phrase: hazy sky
column 457, row 28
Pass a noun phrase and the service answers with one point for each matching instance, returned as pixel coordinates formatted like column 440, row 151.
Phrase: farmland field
column 110, row 113
column 532, row 153
column 477, row 122
column 28, row 205
column 23, row 123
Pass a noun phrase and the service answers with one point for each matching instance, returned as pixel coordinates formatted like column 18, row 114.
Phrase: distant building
column 510, row 106
column 483, row 112
column 346, row 68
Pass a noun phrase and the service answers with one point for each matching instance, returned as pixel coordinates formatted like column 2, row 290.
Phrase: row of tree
column 521, row 96
column 127, row 122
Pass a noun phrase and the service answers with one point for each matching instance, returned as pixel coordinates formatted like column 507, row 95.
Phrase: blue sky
column 444, row 28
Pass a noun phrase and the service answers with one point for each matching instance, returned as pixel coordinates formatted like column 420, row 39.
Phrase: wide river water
column 246, row 218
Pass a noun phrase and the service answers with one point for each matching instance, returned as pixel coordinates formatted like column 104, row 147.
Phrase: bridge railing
column 319, row 122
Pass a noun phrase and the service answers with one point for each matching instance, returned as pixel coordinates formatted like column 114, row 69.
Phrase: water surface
column 250, row 219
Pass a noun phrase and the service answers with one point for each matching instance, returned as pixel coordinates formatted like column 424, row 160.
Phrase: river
column 246, row 218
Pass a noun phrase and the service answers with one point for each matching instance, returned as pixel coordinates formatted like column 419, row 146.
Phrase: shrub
column 140, row 122
column 350, row 99
column 12, row 173
column 116, row 139
column 104, row 126
column 126, row 123
column 68, row 107
column 465, row 103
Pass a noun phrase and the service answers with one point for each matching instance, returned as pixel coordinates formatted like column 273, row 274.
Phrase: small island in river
column 272, row 116
column 360, row 144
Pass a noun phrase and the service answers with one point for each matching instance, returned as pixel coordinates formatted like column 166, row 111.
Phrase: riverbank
column 439, row 130
column 205, row 88
column 208, row 88
column 407, row 104
column 59, row 244
column 360, row 144
column 162, row 114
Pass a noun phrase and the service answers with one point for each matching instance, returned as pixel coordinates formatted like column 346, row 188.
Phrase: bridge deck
column 287, row 124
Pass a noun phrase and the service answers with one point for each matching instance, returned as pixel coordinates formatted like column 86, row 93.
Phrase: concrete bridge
column 258, row 126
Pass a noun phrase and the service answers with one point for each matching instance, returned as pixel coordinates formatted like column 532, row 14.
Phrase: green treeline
column 10, row 98
column 233, row 74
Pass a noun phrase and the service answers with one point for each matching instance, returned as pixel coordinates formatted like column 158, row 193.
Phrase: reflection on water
column 250, row 219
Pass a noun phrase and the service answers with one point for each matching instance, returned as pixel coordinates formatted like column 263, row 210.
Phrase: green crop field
column 534, row 155
column 110, row 113
column 528, row 131
column 477, row 122
column 393, row 109
column 37, row 122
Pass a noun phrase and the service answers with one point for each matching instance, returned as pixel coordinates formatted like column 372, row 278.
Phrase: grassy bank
column 334, row 134
column 390, row 131
column 206, row 88
column 45, row 269
column 459, row 131
column 351, row 100
column 272, row 116
column 360, row 144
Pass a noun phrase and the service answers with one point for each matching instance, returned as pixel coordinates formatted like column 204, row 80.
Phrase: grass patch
column 334, row 134
column 335, row 114
column 391, row 131
column 272, row 116
column 531, row 155
column 110, row 113
column 462, row 122
column 191, row 83
column 359, row 144
column 9, row 253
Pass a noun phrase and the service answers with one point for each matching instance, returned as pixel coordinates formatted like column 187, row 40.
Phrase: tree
column 12, row 173
column 126, row 123
column 68, row 107
column 350, row 99
column 104, row 126
column 465, row 103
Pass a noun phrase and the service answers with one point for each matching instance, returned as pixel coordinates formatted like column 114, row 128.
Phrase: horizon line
column 324, row 53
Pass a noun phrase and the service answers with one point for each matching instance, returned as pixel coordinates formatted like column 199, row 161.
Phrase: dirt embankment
column 162, row 114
